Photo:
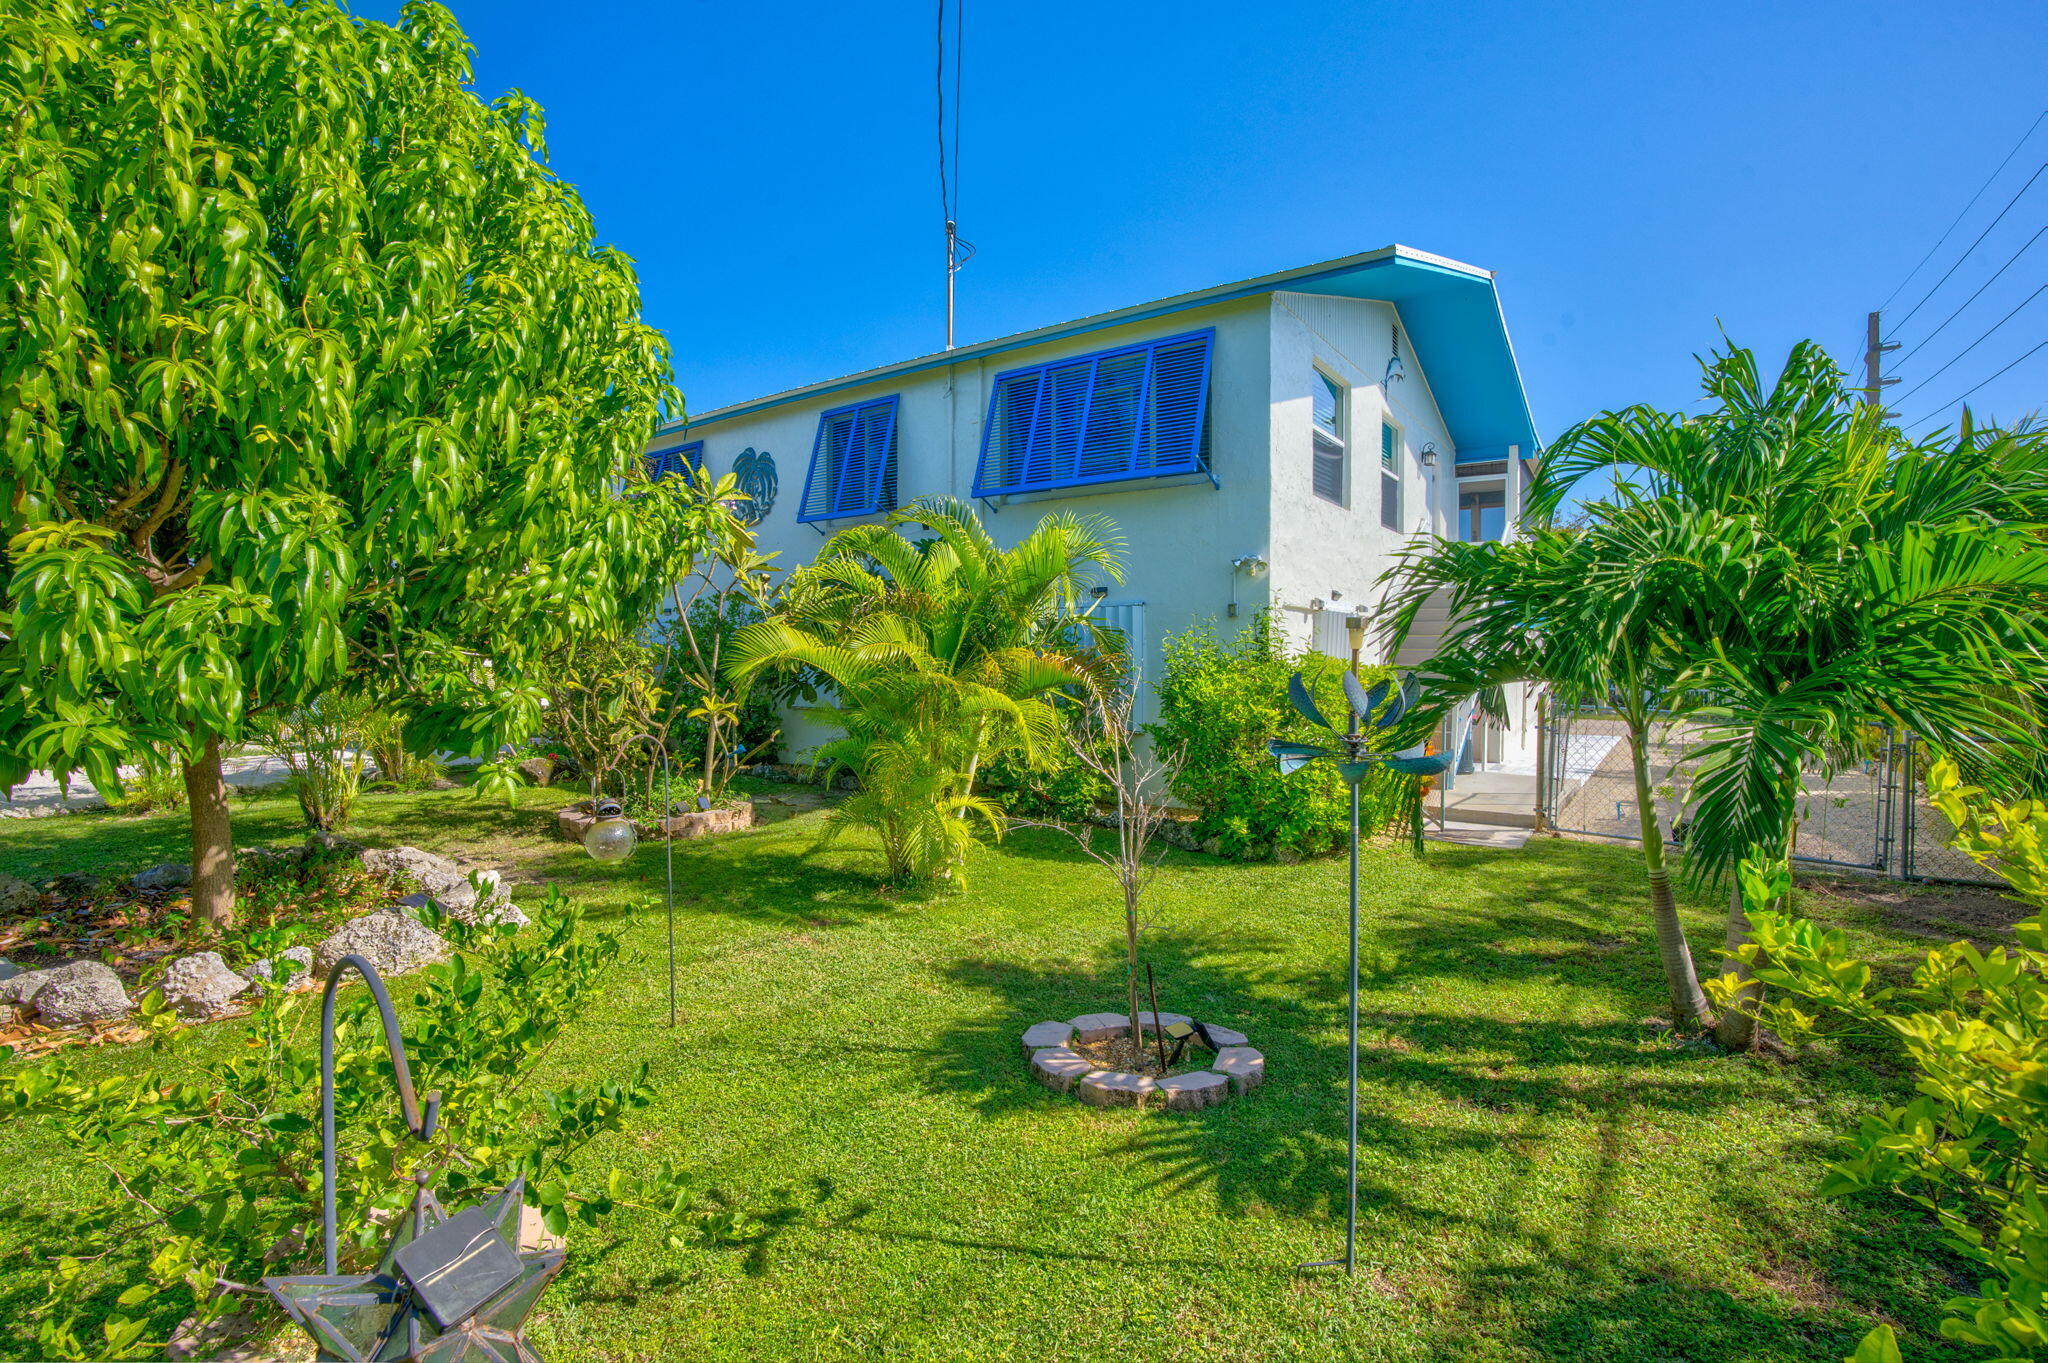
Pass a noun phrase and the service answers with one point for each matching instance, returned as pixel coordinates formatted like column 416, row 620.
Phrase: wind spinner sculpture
column 1373, row 715
column 448, row 1288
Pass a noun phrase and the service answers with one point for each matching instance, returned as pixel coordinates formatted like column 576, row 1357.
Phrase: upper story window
column 1482, row 515
column 1328, row 473
column 1138, row 411
column 669, row 462
column 1390, row 475
column 853, row 462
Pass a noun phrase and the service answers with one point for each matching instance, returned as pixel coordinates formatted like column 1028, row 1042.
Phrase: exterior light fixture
column 1315, row 603
column 1428, row 454
column 1336, row 595
column 614, row 836
column 1354, row 758
column 1098, row 592
column 1354, row 627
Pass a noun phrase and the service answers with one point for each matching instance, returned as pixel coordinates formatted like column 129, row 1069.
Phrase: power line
column 1975, row 244
column 1973, row 297
column 1974, row 344
column 1966, row 209
column 2001, row 373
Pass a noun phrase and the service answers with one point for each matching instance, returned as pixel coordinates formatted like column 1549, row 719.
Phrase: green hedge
column 1221, row 700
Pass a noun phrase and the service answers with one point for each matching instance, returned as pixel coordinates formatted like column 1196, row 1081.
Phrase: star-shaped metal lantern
column 448, row 1289
column 1371, row 711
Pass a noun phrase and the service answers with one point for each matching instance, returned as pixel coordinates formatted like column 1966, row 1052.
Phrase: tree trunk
column 1737, row 1030
column 213, row 844
column 1689, row 1008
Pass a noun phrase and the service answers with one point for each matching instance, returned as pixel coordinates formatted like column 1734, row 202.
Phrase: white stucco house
column 1269, row 443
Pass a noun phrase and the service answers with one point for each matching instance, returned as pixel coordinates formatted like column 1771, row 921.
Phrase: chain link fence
column 1873, row 816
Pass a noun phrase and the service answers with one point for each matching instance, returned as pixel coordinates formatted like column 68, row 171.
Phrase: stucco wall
column 1180, row 539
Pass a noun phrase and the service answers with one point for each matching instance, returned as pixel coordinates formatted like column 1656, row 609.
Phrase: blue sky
column 1639, row 175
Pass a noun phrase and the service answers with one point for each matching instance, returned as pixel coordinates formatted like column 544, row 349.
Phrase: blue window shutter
column 666, row 463
column 853, row 462
column 1137, row 411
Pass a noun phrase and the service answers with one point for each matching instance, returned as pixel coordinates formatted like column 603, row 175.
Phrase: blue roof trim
column 1451, row 313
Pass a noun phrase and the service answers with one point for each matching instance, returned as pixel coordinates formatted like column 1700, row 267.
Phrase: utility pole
column 1874, row 380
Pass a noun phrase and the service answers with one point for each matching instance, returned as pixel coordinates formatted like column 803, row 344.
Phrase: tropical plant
column 939, row 651
column 1973, row 1024
column 155, row 785
column 1579, row 611
column 1818, row 574
column 602, row 698
column 384, row 738
column 324, row 745
column 211, row 1164
column 1784, row 570
column 1220, row 702
column 312, row 366
column 723, row 722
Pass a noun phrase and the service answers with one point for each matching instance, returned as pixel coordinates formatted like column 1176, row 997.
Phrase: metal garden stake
column 1354, row 761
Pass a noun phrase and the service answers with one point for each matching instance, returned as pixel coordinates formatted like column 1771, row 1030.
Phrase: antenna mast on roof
column 958, row 249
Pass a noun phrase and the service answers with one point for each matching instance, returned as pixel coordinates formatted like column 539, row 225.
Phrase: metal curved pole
column 421, row 1124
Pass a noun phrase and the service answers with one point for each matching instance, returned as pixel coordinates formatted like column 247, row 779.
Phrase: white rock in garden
column 448, row 884
column 17, row 895
column 200, row 985
column 386, row 939
column 18, row 985
column 170, row 875
column 84, row 991
column 298, row 968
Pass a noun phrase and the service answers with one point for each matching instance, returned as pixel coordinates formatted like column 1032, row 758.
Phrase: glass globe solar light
column 614, row 836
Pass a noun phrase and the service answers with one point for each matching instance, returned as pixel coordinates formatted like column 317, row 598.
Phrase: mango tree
column 313, row 370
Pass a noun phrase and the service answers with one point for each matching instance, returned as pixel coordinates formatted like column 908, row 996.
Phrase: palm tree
column 1819, row 575
column 941, row 650
column 1577, row 611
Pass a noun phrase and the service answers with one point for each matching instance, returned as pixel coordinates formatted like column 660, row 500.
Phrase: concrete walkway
column 40, row 796
column 1488, row 797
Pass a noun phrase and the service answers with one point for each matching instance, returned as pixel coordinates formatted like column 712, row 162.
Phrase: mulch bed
column 1936, row 911
column 1117, row 1053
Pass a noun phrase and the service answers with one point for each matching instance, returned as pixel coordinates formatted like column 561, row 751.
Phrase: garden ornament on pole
column 614, row 837
column 447, row 1289
column 1354, row 759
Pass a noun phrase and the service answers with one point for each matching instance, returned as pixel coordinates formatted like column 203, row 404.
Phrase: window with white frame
column 1330, row 414
column 1390, row 475
column 1482, row 514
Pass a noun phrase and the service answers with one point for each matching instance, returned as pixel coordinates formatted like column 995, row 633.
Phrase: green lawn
column 1543, row 1176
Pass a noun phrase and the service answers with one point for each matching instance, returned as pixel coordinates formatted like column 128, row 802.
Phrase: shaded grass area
column 1543, row 1176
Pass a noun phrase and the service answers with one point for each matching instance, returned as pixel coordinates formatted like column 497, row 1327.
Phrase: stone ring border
column 1049, row 1046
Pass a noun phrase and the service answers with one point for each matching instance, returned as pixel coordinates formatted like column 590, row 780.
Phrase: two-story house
column 1265, row 444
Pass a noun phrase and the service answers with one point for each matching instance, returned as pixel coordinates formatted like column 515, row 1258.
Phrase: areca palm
column 1820, row 575
column 939, row 650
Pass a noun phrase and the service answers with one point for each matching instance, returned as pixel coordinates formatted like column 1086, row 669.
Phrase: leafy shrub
column 1219, row 702
column 212, row 1163
column 1057, row 784
column 158, row 786
column 744, row 709
column 323, row 745
column 1974, row 1026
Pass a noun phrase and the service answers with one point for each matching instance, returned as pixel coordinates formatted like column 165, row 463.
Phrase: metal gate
column 1872, row 816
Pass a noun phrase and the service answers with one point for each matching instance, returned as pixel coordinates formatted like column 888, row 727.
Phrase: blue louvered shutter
column 853, row 462
column 669, row 462
column 1133, row 412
